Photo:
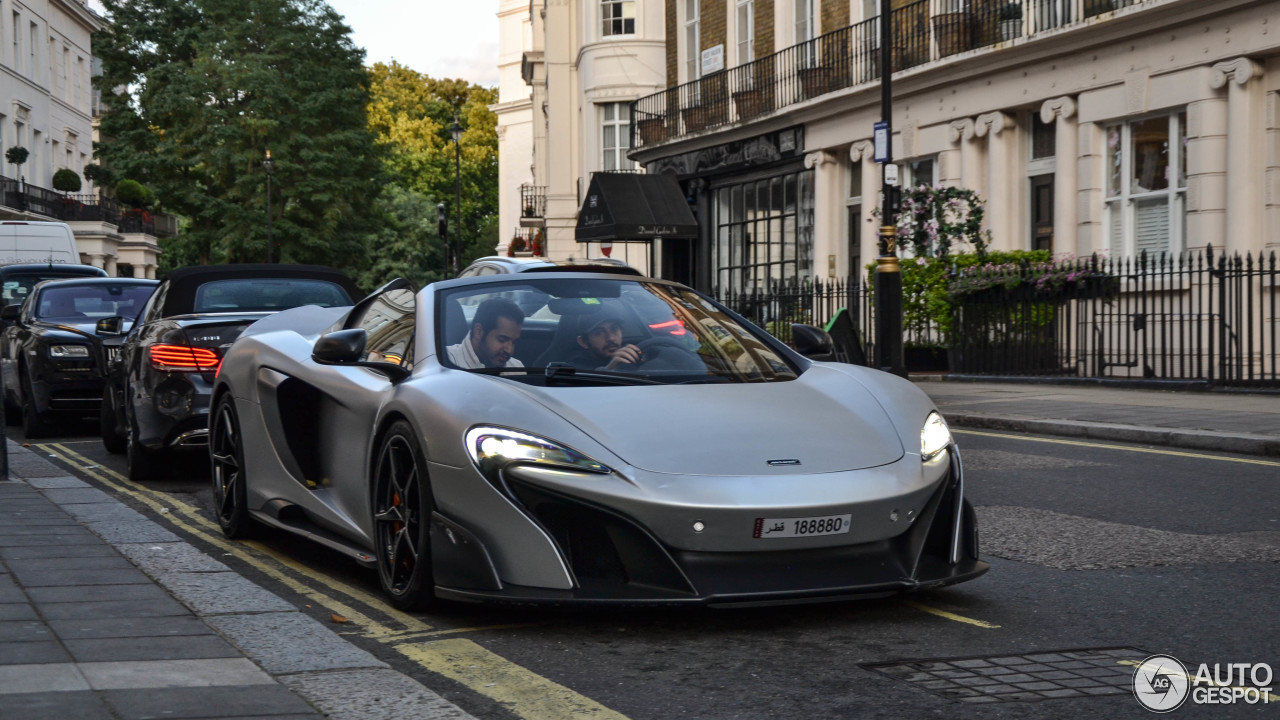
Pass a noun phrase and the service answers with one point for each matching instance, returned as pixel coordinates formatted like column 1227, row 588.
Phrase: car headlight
column 68, row 351
column 934, row 437
column 492, row 448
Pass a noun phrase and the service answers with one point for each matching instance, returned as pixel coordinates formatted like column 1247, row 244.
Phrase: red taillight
column 674, row 327
column 183, row 358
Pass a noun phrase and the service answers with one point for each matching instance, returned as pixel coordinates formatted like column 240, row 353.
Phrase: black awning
column 624, row 207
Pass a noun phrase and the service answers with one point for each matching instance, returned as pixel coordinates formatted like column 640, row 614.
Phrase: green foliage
column 99, row 174
column 410, row 114
column 927, row 299
column 934, row 219
column 16, row 154
column 66, row 180
column 211, row 86
column 134, row 194
column 405, row 244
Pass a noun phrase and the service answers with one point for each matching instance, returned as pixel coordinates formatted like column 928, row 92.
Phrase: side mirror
column 343, row 347
column 811, row 342
column 109, row 326
column 347, row 347
column 9, row 313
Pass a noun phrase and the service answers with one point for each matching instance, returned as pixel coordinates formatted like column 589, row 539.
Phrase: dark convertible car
column 157, row 392
column 52, row 358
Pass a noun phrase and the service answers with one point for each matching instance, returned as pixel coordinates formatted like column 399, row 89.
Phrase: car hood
column 85, row 329
column 824, row 421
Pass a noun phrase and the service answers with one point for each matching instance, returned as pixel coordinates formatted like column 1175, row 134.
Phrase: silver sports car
column 578, row 437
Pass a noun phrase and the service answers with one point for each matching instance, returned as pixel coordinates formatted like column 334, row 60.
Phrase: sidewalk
column 106, row 614
column 1223, row 421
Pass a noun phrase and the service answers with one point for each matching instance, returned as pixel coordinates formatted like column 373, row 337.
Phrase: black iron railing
column 533, row 202
column 1197, row 316
column 848, row 57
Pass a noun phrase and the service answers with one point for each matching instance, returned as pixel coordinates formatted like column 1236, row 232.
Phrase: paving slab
column 191, row 647
column 71, row 496
column 40, row 678
column 91, row 627
column 111, row 608
column 378, row 693
column 133, row 594
column 258, row 636
column 31, row 653
column 77, row 578
column 93, row 549
column 215, row 702
column 81, row 705
column 45, row 483
column 222, row 593
column 157, row 558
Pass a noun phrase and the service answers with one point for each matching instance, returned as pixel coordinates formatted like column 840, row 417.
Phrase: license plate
column 801, row 527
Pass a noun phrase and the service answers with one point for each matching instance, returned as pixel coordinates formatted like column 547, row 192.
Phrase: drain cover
column 1005, row 678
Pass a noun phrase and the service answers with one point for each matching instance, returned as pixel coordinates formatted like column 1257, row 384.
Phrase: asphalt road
column 1107, row 552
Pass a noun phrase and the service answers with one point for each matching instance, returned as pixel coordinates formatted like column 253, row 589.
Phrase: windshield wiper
column 566, row 374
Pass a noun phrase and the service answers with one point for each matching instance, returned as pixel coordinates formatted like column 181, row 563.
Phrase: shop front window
column 764, row 232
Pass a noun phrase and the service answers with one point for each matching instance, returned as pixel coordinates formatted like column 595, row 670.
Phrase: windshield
column 18, row 287
column 266, row 295
column 78, row 303
column 615, row 331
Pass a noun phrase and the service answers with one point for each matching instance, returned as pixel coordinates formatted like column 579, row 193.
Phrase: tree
column 197, row 91
column 16, row 155
column 410, row 114
column 66, row 180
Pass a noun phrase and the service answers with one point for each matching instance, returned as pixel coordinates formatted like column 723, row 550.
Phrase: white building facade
column 1088, row 126
column 580, row 65
column 47, row 107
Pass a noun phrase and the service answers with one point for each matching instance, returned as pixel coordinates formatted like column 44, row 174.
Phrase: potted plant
column 66, row 180
column 516, row 245
column 17, row 155
column 1010, row 21
column 536, row 245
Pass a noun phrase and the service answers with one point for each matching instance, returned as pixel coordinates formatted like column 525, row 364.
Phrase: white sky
column 441, row 38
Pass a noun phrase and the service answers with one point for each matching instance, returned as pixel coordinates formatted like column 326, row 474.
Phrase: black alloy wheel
column 112, row 439
column 226, row 461
column 144, row 463
column 402, row 507
column 35, row 424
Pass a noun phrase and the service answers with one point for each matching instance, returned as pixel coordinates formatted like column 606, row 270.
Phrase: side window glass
column 388, row 323
column 155, row 305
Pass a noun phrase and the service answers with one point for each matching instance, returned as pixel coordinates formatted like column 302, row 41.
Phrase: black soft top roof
column 181, row 295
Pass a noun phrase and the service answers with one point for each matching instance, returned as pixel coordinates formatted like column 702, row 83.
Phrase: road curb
column 1185, row 439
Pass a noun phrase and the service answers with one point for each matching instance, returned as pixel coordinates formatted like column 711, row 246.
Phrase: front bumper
column 614, row 559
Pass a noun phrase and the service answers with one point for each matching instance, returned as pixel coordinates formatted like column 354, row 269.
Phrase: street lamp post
column 456, row 130
column 442, row 229
column 268, row 164
column 888, row 279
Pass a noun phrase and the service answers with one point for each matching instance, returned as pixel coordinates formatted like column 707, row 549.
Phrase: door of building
column 1042, row 212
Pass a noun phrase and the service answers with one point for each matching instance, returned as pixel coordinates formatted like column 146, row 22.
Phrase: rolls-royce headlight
column 68, row 351
column 934, row 437
column 492, row 448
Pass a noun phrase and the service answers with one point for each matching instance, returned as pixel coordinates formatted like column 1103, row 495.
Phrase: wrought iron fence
column 923, row 31
column 1196, row 316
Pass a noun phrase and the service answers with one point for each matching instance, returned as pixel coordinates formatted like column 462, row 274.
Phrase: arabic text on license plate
column 801, row 527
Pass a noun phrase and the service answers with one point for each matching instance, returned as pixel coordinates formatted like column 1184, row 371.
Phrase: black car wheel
column 226, row 459
column 12, row 411
column 402, row 519
column 35, row 424
column 144, row 463
column 108, row 424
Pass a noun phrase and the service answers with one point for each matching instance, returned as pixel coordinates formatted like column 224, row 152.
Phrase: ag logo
column 1160, row 683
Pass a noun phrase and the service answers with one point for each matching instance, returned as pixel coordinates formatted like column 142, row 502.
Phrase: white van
column 37, row 242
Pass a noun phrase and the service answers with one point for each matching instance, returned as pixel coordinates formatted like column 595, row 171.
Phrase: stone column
column 97, row 259
column 1244, row 140
column 109, row 265
column 828, row 208
column 1002, row 204
column 1207, row 174
column 1065, row 214
column 966, row 173
column 864, row 151
column 1091, row 183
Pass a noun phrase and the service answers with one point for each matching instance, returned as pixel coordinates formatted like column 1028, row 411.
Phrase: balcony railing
column 848, row 57
column 533, row 204
column 25, row 197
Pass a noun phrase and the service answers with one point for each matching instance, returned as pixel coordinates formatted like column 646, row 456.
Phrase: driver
column 600, row 344
column 492, row 339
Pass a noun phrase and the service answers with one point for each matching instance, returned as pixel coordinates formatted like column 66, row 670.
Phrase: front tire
column 112, row 439
column 226, row 460
column 402, row 506
column 35, row 424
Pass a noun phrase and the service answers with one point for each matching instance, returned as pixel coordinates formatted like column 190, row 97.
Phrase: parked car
column 16, row 281
column 499, row 265
column 724, row 467
column 52, row 359
column 157, row 392
column 32, row 241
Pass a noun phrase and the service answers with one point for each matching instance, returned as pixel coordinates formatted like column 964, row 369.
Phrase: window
column 17, row 39
column 920, row 171
column 618, row 17
column 804, row 21
column 746, row 31
column 692, row 41
column 764, row 232
column 31, row 50
column 1147, row 185
column 1044, row 137
column 615, row 136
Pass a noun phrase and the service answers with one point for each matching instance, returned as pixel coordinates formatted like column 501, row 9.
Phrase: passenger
column 492, row 339
column 600, row 343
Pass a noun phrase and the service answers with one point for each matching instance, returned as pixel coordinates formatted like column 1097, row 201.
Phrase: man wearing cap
column 492, row 339
column 600, row 340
